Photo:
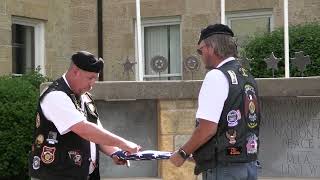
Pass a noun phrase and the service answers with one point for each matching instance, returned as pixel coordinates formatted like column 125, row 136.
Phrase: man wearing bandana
column 225, row 142
column 68, row 134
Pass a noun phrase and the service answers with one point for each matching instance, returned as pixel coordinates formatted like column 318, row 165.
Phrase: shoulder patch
column 233, row 77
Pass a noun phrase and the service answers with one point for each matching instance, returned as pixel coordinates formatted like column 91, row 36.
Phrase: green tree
column 18, row 103
column 304, row 38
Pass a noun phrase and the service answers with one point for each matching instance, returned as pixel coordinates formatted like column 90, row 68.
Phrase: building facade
column 45, row 33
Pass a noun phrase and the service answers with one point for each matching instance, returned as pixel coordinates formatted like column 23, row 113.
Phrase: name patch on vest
column 233, row 77
column 48, row 154
column 234, row 151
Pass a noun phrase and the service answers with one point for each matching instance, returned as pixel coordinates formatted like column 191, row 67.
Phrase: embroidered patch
column 231, row 135
column 252, row 144
column 36, row 162
column 234, row 151
column 39, row 140
column 243, row 71
column 48, row 154
column 52, row 137
column 252, row 107
column 233, row 117
column 252, row 124
column 76, row 157
column 233, row 77
column 37, row 120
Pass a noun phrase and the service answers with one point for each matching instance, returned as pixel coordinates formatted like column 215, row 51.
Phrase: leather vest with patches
column 65, row 155
column 237, row 136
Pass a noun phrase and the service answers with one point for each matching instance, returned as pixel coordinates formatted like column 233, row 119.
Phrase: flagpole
column 222, row 11
column 286, row 39
column 140, row 62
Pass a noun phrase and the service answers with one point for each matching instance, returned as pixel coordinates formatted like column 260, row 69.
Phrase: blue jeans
column 233, row 171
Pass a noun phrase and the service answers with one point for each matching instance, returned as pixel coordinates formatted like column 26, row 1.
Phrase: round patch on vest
column 233, row 117
column 252, row 107
column 39, row 140
column 47, row 155
column 36, row 162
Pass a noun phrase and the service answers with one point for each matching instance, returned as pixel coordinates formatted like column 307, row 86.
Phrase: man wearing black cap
column 68, row 134
column 225, row 141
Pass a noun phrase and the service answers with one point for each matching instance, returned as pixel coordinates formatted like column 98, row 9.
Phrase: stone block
column 5, row 53
column 194, row 7
column 3, row 7
column 5, row 38
column 170, row 172
column 238, row 5
column 5, row 22
column 166, row 142
column 84, row 42
column 5, row 66
column 177, row 121
column 177, row 104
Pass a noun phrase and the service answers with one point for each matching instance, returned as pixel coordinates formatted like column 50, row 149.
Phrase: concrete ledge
column 132, row 90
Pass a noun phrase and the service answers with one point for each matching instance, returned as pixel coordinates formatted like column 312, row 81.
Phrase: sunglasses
column 199, row 51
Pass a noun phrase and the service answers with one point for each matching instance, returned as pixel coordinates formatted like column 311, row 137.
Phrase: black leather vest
column 65, row 155
column 237, row 137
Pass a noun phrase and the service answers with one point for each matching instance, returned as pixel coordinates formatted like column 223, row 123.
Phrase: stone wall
column 70, row 25
column 176, row 123
column 119, row 24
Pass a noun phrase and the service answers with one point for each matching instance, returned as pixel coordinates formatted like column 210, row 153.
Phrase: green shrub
column 18, row 102
column 304, row 38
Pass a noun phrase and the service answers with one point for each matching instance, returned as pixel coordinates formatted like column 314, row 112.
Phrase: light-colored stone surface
column 176, row 121
column 170, row 172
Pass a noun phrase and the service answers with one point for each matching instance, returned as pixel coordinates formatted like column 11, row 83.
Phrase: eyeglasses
column 199, row 51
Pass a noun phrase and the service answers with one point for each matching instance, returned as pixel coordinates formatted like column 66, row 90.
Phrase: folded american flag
column 143, row 155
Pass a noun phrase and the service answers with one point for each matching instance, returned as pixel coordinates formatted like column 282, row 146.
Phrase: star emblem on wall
column 300, row 61
column 272, row 62
column 128, row 65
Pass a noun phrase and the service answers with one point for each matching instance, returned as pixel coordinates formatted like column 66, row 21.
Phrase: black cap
column 215, row 29
column 87, row 61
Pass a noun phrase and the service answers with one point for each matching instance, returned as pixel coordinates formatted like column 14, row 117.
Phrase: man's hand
column 131, row 147
column 176, row 159
column 117, row 158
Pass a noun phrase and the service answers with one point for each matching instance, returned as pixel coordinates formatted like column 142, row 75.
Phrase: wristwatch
column 183, row 154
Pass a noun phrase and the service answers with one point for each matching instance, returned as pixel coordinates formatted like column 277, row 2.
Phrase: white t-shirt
column 213, row 93
column 58, row 108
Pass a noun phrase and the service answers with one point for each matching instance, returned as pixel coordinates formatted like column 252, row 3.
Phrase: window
column 245, row 24
column 161, row 37
column 27, row 45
